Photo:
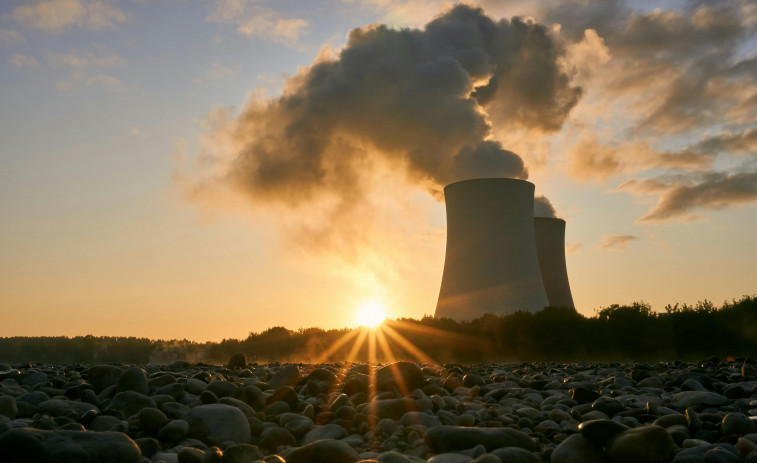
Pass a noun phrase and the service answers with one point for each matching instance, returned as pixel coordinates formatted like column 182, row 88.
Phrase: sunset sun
column 370, row 314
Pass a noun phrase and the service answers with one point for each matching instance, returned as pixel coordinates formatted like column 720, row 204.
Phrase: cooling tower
column 491, row 264
column 550, row 246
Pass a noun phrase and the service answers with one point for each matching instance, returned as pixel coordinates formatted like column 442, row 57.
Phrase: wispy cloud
column 616, row 242
column 106, row 82
column 256, row 21
column 679, row 196
column 215, row 72
column 10, row 37
column 56, row 16
column 22, row 61
column 86, row 60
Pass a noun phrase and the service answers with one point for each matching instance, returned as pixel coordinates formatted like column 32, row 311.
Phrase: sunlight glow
column 371, row 314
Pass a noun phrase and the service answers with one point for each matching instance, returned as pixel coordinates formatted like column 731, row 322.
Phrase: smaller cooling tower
column 491, row 265
column 550, row 246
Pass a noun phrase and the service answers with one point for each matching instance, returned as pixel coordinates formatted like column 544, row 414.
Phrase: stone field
column 703, row 412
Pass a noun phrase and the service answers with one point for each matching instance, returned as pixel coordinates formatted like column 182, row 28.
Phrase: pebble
column 33, row 445
column 524, row 413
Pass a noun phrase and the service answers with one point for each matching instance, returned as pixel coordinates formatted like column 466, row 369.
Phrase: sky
column 205, row 169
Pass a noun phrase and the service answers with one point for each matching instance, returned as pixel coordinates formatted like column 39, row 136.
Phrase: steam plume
column 417, row 100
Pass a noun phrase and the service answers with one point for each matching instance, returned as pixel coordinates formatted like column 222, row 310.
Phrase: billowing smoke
column 543, row 207
column 417, row 100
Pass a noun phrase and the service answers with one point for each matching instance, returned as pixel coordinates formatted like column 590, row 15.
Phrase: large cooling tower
column 550, row 246
column 491, row 264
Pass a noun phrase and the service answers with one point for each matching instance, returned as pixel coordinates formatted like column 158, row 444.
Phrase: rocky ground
column 293, row 413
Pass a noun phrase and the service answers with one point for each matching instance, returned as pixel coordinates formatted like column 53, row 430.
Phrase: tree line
column 613, row 333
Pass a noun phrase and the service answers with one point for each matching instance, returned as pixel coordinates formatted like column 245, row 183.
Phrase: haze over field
column 205, row 169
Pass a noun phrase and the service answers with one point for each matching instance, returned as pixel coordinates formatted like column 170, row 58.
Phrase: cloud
column 87, row 60
column 573, row 248
column 217, row 71
column 616, row 242
column 23, row 61
column 10, row 37
column 543, row 207
column 56, row 16
column 589, row 159
column 106, row 82
column 256, row 21
column 679, row 196
column 410, row 105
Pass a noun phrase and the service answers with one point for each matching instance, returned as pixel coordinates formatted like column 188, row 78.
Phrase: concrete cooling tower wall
column 550, row 246
column 491, row 265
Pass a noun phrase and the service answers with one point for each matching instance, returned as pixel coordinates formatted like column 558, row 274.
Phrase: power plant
column 499, row 258
column 550, row 247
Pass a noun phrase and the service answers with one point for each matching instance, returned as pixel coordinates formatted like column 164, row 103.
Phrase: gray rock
column 391, row 408
column 515, row 455
column 421, row 418
column 238, row 360
column 218, row 423
column 404, row 376
column 130, row 402
column 152, row 419
column 56, row 407
column 607, row 405
column 698, row 399
column 132, row 379
column 599, row 432
column 450, row 458
column 190, row 455
column 323, row 451
column 222, row 388
column 450, row 438
column 287, row 375
column 242, row 453
column 650, row 444
column 576, row 449
column 327, row 431
column 106, row 423
column 8, row 406
column 272, row 437
column 25, row 445
column 102, row 376
column 174, row 431
column 737, row 423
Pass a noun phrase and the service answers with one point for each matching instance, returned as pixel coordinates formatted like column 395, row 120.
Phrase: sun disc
column 371, row 314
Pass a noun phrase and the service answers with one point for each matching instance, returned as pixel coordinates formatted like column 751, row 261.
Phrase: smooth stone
column 152, row 419
column 424, row 419
column 323, row 451
column 174, row 431
column 33, row 445
column 222, row 388
column 607, row 405
column 738, row 424
column 8, row 406
column 212, row 455
column 650, row 444
column 698, row 399
column 56, row 407
column 215, row 424
column 242, row 453
column 133, row 379
column 148, row 446
column 243, row 407
column 106, row 423
column 391, row 408
column 322, row 374
column 515, row 455
column 490, row 458
column 190, row 455
column 164, row 457
column 327, row 431
column 284, row 394
column 450, row 438
column 599, row 432
column 576, row 449
column 272, row 437
column 404, row 376
column 130, row 402
column 287, row 375
column 711, row 453
column 102, row 376
column 450, row 458
column 237, row 360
